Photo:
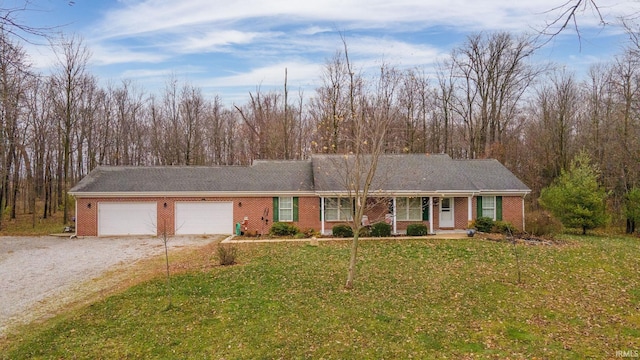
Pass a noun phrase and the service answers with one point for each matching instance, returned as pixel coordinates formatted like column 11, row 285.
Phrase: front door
column 446, row 213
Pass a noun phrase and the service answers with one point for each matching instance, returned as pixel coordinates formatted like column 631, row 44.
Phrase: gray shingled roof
column 284, row 176
column 421, row 172
column 323, row 173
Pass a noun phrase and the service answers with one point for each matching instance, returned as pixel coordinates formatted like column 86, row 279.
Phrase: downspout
column 75, row 225
column 322, row 215
column 523, row 220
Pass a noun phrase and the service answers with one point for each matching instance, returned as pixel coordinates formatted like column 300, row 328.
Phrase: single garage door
column 199, row 217
column 127, row 218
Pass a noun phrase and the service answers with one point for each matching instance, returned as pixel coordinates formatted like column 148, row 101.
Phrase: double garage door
column 141, row 218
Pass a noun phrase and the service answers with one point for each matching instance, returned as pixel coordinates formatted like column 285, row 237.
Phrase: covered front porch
column 440, row 212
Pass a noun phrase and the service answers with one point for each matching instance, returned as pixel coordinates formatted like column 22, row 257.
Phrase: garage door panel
column 203, row 218
column 124, row 218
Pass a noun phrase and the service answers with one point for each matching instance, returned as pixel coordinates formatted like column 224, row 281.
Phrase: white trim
column 342, row 215
column 452, row 201
column 280, row 218
column 495, row 206
column 395, row 215
column 390, row 193
column 191, row 194
column 470, row 208
column 406, row 207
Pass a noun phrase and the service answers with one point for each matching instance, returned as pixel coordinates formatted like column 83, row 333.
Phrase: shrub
column 227, row 255
column 250, row 233
column 540, row 223
column 381, row 229
column 283, row 229
column 309, row 233
column 484, row 224
column 504, row 227
column 299, row 236
column 364, row 231
column 417, row 230
column 342, row 230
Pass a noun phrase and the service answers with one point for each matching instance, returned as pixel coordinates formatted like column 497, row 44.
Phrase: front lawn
column 413, row 299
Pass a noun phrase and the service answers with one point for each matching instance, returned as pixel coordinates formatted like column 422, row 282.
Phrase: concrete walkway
column 443, row 234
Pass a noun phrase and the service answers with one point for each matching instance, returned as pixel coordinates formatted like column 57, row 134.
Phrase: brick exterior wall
column 258, row 212
column 511, row 210
column 87, row 214
column 461, row 208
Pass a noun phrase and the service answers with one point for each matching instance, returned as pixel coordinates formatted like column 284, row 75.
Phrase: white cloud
column 41, row 57
column 216, row 40
column 299, row 74
column 253, row 41
column 166, row 15
column 108, row 54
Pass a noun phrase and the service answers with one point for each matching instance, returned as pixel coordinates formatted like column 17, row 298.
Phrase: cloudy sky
column 232, row 47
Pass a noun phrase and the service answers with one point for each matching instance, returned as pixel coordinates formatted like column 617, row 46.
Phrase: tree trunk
column 352, row 261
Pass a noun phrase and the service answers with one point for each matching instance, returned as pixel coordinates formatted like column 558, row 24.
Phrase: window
column 489, row 206
column 409, row 209
column 337, row 209
column 285, row 209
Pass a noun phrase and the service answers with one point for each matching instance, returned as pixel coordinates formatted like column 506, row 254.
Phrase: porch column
column 470, row 210
column 433, row 216
column 395, row 227
column 322, row 215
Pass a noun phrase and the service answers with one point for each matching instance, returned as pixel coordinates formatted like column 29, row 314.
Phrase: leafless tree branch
column 11, row 23
column 567, row 16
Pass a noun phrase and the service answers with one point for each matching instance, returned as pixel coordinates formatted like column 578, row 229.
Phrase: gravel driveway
column 33, row 269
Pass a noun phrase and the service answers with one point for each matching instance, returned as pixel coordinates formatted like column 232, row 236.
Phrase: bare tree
column 491, row 75
column 219, row 138
column 625, row 89
column 330, row 107
column 558, row 104
column 12, row 24
column 73, row 57
column 191, row 120
column 13, row 79
column 269, row 125
column 369, row 118
column 566, row 16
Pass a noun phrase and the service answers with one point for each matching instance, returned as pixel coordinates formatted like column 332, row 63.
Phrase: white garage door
column 127, row 218
column 204, row 218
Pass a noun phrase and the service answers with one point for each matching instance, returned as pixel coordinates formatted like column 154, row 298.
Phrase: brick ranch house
column 436, row 190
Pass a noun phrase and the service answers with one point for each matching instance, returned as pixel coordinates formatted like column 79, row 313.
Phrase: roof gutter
column 137, row 194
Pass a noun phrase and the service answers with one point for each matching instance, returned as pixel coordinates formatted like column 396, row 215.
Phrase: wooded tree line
column 488, row 98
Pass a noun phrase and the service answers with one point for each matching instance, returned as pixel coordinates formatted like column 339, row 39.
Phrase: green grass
column 413, row 299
